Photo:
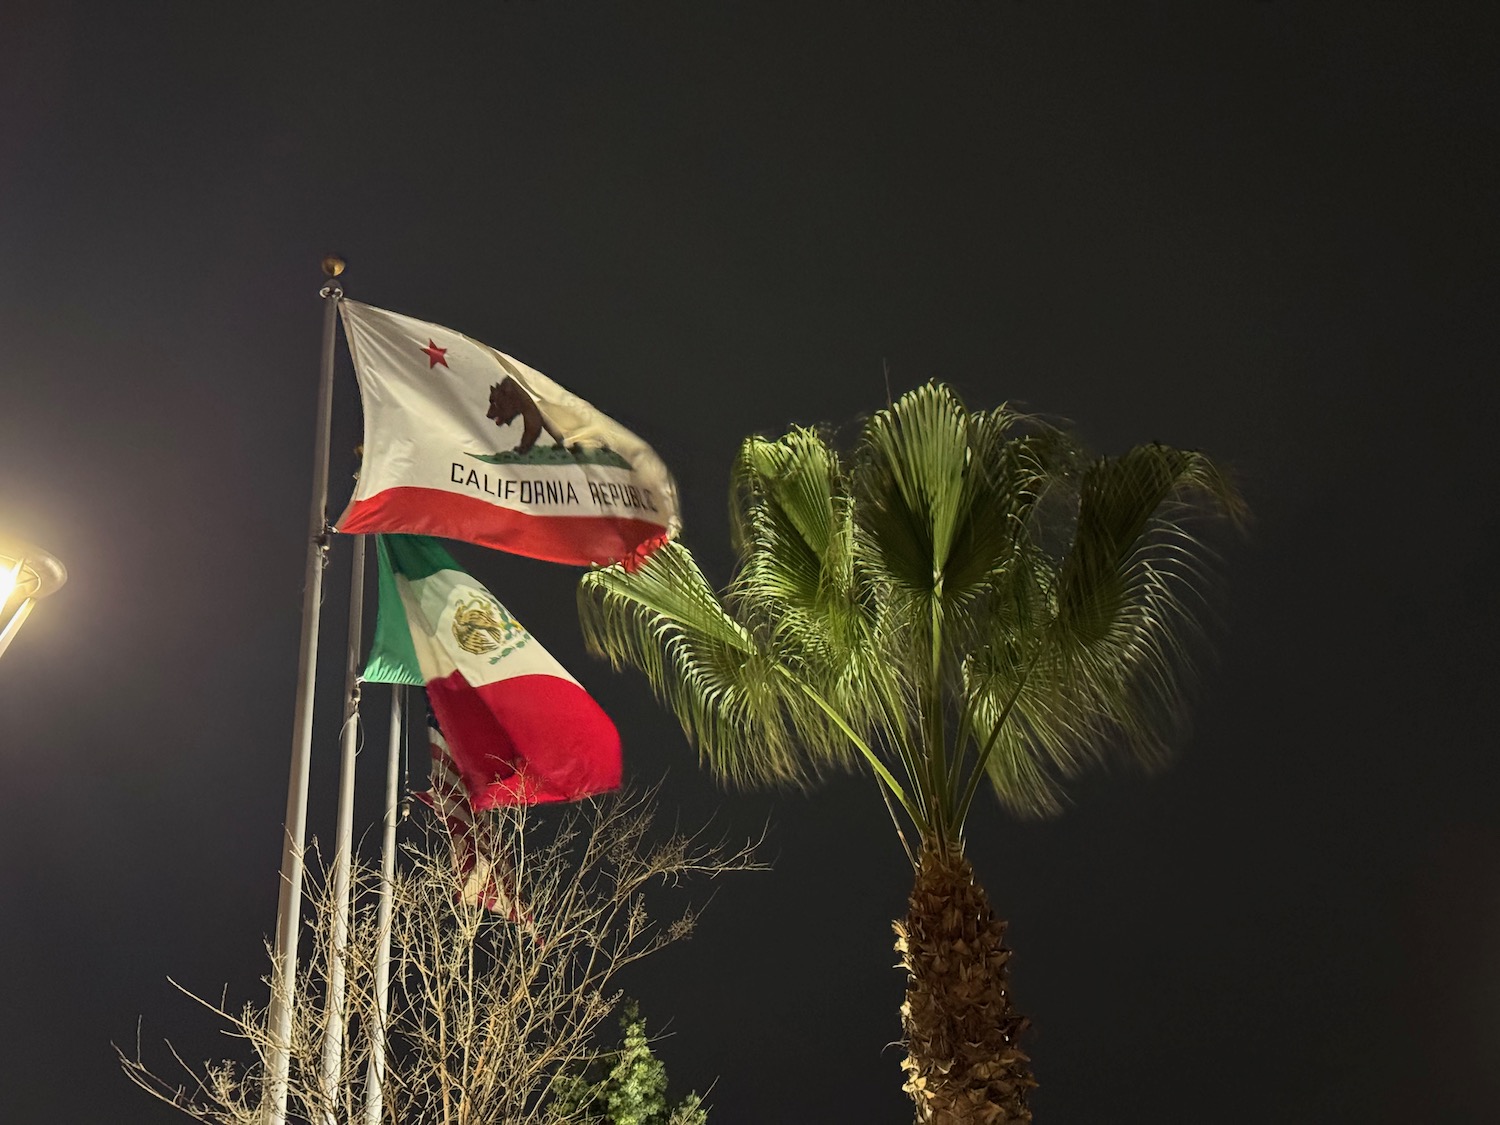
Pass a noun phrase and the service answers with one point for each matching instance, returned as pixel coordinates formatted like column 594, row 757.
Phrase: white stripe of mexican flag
column 520, row 729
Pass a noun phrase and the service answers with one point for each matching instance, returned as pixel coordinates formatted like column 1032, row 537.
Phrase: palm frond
column 723, row 687
column 1109, row 627
column 805, row 588
column 1004, row 475
column 910, row 469
column 792, row 526
column 730, row 690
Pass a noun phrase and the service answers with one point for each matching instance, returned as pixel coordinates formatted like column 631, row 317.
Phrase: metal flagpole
column 343, row 854
column 289, row 903
column 375, row 1079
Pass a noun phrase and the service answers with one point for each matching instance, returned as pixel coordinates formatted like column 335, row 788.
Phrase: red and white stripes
column 485, row 874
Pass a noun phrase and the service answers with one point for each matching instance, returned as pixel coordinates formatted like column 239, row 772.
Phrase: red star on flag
column 435, row 354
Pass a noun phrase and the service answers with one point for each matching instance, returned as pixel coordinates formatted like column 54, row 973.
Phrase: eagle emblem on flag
column 482, row 625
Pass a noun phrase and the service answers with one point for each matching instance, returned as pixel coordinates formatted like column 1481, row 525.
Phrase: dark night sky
column 1267, row 230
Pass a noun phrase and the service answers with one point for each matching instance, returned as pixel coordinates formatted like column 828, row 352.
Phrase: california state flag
column 519, row 730
column 465, row 442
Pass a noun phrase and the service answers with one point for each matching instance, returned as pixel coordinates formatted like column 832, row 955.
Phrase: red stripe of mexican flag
column 520, row 729
column 465, row 442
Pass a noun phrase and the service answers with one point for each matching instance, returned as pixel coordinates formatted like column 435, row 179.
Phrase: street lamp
column 27, row 574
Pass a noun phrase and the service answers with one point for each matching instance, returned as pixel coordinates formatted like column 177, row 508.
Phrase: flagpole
column 343, row 853
column 374, row 1082
column 289, row 902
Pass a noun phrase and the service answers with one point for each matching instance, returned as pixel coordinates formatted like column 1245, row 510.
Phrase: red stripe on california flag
column 526, row 739
column 576, row 540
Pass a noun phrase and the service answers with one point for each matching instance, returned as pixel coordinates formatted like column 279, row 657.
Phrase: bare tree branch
column 485, row 1012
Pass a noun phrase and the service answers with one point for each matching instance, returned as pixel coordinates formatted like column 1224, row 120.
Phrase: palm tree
column 963, row 596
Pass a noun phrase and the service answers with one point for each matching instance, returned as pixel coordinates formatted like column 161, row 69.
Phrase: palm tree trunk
column 964, row 1063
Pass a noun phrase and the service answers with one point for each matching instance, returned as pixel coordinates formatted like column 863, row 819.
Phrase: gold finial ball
column 333, row 265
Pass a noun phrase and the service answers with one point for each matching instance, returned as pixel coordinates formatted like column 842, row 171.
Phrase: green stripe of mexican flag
column 519, row 728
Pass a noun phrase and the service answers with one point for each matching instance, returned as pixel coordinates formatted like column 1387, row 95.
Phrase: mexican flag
column 465, row 442
column 519, row 730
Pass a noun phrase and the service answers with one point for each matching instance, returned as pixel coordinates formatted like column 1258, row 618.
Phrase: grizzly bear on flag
column 508, row 399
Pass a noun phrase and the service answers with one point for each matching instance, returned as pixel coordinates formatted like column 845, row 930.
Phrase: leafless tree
column 485, row 1010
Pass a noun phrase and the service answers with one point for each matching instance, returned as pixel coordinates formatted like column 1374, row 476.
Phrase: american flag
column 486, row 876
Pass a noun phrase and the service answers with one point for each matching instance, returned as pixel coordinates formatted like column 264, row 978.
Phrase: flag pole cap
column 333, row 265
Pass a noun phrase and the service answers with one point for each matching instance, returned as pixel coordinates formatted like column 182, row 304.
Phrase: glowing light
column 8, row 579
column 27, row 573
